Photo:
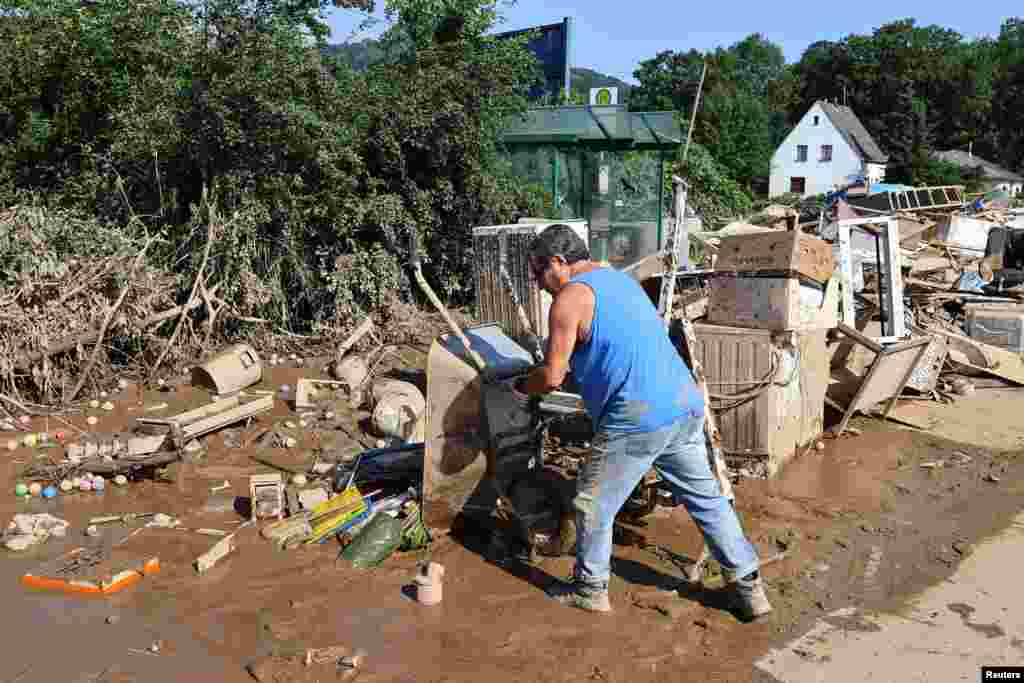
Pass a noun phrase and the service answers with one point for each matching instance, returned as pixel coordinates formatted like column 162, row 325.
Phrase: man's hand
column 520, row 396
column 571, row 307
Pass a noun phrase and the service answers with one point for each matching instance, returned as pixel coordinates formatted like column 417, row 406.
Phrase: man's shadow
column 499, row 547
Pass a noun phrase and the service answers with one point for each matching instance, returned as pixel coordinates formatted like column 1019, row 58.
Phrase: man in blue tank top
column 646, row 410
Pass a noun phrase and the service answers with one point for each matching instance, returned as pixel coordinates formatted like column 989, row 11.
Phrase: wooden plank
column 219, row 551
column 215, row 422
column 364, row 328
column 894, row 368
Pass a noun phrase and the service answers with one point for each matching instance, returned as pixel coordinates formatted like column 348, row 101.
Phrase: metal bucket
column 231, row 370
column 398, row 410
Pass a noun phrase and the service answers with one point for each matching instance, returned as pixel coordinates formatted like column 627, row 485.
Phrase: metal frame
column 894, row 326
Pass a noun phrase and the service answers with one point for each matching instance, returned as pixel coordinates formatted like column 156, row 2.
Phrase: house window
column 797, row 185
column 815, row 119
column 801, row 152
column 826, row 153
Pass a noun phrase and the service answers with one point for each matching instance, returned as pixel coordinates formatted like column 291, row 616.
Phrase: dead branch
column 106, row 323
column 191, row 297
column 90, row 337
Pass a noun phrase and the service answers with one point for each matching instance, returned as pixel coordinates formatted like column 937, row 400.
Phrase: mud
column 862, row 524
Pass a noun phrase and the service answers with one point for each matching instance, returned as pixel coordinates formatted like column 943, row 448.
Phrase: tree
column 735, row 121
column 131, row 112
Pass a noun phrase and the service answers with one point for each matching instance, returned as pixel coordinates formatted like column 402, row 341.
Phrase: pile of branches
column 82, row 304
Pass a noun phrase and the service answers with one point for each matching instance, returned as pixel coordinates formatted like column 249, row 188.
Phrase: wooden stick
column 191, row 297
column 106, row 323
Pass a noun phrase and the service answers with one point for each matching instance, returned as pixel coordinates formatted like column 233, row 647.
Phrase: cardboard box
column 772, row 303
column 781, row 253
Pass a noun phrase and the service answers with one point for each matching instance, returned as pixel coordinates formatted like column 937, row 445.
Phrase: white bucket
column 398, row 410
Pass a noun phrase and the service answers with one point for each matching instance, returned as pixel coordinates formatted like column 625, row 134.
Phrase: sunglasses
column 538, row 273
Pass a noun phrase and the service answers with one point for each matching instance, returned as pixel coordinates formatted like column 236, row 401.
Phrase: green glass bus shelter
column 603, row 164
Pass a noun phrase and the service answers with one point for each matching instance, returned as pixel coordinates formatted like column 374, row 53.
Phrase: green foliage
column 939, row 172
column 713, row 193
column 126, row 112
column 921, row 88
column 735, row 119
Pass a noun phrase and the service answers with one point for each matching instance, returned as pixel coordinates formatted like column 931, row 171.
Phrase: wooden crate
column 772, row 303
column 779, row 381
column 784, row 253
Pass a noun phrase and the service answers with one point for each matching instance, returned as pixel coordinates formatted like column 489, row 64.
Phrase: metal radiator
column 511, row 242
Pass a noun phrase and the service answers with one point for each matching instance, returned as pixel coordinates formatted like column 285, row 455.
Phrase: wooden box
column 266, row 496
column 768, row 391
column 782, row 253
column 772, row 303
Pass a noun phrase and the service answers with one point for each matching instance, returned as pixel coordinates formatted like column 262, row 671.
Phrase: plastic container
column 1002, row 327
column 430, row 584
column 397, row 410
column 231, row 370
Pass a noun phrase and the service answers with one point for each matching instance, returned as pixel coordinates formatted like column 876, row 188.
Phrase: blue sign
column 550, row 45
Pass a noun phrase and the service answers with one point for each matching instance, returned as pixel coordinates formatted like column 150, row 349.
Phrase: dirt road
column 864, row 524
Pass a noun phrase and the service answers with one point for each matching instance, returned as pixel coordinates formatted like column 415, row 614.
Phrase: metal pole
column 661, row 193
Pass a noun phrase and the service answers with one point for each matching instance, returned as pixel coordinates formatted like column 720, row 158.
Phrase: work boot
column 747, row 597
column 576, row 594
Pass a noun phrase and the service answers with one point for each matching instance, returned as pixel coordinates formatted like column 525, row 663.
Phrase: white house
column 829, row 148
column 991, row 176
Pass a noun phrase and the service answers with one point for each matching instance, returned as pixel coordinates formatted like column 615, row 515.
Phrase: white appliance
column 491, row 244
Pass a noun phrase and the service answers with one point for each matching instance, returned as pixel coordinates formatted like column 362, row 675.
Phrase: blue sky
column 613, row 37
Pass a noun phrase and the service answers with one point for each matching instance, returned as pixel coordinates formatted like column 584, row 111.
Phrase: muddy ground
column 862, row 523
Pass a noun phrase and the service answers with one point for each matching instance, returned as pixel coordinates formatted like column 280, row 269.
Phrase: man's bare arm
column 571, row 307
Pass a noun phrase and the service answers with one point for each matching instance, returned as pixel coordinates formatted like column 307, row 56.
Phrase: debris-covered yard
column 222, row 501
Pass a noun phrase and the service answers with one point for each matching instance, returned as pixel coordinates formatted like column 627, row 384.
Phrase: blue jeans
column 617, row 463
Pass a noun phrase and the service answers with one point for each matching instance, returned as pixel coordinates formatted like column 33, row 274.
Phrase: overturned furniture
column 883, row 381
column 190, row 425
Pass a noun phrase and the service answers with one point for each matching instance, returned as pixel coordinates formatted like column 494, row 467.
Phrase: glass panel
column 622, row 207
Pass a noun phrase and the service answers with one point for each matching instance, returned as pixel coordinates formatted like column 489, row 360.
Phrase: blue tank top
column 629, row 374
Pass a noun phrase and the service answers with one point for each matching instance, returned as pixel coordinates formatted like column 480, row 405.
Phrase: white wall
column 875, row 172
column 820, row 176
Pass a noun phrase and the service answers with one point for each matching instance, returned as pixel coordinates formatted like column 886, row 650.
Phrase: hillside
column 362, row 54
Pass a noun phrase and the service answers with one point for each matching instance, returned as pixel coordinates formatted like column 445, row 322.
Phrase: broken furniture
column 883, row 381
column 767, row 390
column 193, row 424
column 885, row 231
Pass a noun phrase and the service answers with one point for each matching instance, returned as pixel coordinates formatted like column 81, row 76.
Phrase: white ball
column 122, row 384
column 120, row 480
column 299, row 479
column 66, row 486
column 94, row 403
column 92, row 420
